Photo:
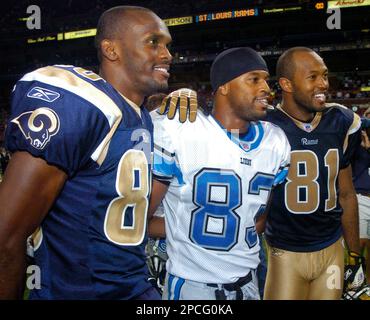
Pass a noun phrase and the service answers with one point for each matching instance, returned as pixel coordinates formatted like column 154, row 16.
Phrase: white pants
column 180, row 289
column 364, row 215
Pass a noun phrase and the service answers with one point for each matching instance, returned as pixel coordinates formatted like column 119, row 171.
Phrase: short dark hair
column 112, row 22
column 285, row 66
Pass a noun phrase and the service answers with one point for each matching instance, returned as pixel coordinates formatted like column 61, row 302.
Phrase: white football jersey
column 218, row 184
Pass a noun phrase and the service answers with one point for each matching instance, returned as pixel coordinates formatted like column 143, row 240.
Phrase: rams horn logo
column 38, row 126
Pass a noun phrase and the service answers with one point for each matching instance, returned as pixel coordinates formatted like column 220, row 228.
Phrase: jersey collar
column 131, row 103
column 305, row 126
column 248, row 141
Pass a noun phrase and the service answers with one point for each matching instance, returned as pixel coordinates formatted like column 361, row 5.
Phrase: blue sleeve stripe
column 162, row 180
column 159, row 176
column 163, row 166
column 281, row 176
column 166, row 169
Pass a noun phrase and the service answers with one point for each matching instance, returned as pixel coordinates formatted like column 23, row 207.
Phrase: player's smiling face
column 146, row 59
column 248, row 95
column 310, row 81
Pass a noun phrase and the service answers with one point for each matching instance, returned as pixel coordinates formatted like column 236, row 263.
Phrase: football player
column 215, row 176
column 80, row 170
column 317, row 205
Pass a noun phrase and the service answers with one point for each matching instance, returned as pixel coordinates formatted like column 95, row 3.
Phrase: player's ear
column 224, row 89
column 285, row 84
column 107, row 48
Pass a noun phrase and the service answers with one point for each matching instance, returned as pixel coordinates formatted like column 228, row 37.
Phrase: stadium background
column 200, row 29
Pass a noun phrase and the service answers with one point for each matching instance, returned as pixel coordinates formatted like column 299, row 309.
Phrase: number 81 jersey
column 218, row 184
column 305, row 214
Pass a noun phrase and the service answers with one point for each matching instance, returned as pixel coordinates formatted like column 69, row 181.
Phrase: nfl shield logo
column 245, row 146
column 307, row 127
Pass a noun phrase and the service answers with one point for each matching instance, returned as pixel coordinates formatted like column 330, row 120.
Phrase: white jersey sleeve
column 282, row 172
column 165, row 162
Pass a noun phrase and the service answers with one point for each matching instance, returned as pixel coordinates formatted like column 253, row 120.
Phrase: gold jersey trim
column 132, row 104
column 355, row 126
column 305, row 126
column 67, row 80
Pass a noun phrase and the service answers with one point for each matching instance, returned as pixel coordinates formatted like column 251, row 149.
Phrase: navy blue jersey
column 91, row 243
column 361, row 171
column 305, row 214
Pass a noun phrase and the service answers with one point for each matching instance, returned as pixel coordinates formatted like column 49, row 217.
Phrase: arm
column 348, row 201
column 156, row 225
column 279, row 179
column 365, row 141
column 261, row 223
column 27, row 192
column 261, row 220
column 157, row 228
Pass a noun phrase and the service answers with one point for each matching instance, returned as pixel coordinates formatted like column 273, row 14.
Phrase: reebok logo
column 43, row 94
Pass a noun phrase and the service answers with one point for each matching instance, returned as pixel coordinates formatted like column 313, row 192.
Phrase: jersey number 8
column 302, row 191
column 217, row 194
column 133, row 188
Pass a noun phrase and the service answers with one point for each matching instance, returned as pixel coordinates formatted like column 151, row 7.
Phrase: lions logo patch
column 38, row 126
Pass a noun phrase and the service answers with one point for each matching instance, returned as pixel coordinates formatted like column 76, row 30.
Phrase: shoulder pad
column 68, row 80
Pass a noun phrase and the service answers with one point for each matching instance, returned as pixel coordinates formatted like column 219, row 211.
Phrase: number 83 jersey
column 218, row 183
